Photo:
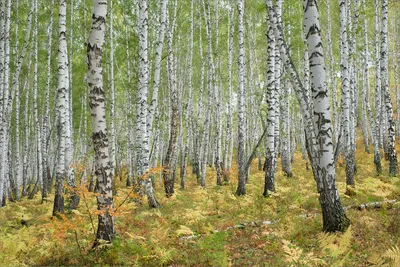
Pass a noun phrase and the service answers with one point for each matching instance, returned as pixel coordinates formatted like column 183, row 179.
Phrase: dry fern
column 335, row 244
column 191, row 216
column 391, row 258
column 184, row 231
column 394, row 255
column 294, row 255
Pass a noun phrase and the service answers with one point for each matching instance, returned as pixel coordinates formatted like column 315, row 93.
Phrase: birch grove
column 196, row 95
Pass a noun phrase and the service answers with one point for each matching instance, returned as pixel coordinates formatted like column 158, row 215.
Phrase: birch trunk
column 271, row 91
column 105, row 229
column 320, row 150
column 241, row 189
column 112, row 92
column 332, row 74
column 374, row 132
column 189, row 108
column 385, row 88
column 324, row 170
column 143, row 152
column 229, row 120
column 35, row 106
column 377, row 76
column 62, row 108
column 346, row 98
column 170, row 158
column 47, row 100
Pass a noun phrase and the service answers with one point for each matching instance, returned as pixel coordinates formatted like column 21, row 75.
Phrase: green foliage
column 213, row 249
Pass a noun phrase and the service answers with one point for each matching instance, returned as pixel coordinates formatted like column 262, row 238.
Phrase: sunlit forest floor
column 286, row 228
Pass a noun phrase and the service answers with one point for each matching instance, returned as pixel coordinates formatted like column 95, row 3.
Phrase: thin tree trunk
column 112, row 93
column 271, row 91
column 241, row 189
column 229, row 120
column 47, row 107
column 142, row 138
column 170, row 158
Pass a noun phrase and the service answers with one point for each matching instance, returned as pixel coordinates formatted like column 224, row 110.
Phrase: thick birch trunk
column 324, row 170
column 385, row 88
column 105, row 229
column 62, row 108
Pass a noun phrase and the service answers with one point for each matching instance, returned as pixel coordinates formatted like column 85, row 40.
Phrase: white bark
column 332, row 211
column 105, row 230
column 61, row 108
column 35, row 104
column 241, row 189
column 377, row 77
column 385, row 88
column 270, row 161
column 112, row 92
column 229, row 121
column 157, row 71
column 142, row 138
column 47, row 106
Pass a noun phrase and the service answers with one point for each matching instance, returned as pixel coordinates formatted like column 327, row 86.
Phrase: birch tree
column 112, row 93
column 333, row 213
column 345, row 76
column 171, row 154
column 62, row 108
column 105, row 228
column 241, row 189
column 374, row 133
column 142, row 138
column 318, row 127
column 385, row 88
column 229, row 120
column 270, row 160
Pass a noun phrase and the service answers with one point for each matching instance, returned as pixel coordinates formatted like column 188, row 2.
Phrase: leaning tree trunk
column 105, row 229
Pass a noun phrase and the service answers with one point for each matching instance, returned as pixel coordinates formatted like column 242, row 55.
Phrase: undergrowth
column 29, row 235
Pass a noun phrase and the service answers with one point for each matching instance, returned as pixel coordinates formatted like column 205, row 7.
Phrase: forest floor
column 213, row 227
